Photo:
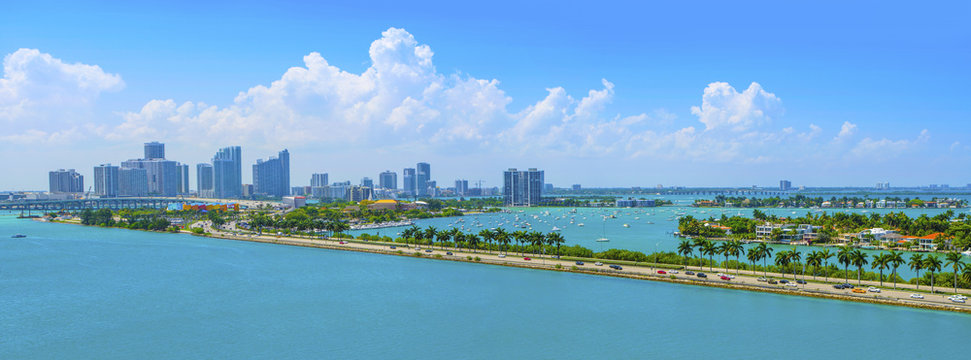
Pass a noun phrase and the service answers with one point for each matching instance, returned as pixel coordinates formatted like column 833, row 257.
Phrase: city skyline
column 850, row 99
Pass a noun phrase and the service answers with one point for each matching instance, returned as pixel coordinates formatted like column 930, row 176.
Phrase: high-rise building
column 204, row 180
column 522, row 188
column 66, row 181
column 318, row 185
column 461, row 187
column 272, row 177
column 388, row 180
column 785, row 185
column 423, row 174
column 161, row 175
column 409, row 181
column 132, row 182
column 182, row 172
column 318, row 180
column 357, row 193
column 154, row 150
column 576, row 187
column 106, row 180
column 227, row 169
column 367, row 182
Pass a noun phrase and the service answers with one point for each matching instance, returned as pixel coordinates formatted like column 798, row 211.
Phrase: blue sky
column 595, row 93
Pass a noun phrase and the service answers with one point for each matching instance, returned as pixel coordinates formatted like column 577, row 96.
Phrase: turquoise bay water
column 650, row 229
column 79, row 292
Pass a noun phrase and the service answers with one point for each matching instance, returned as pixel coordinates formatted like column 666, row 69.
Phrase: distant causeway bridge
column 81, row 204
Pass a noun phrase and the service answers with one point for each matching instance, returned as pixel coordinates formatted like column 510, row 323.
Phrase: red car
column 527, row 258
column 662, row 272
column 726, row 278
column 342, row 243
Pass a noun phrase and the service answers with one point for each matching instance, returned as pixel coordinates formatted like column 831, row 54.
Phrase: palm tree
column 824, row 255
column 473, row 241
column 430, row 233
column 953, row 259
column 699, row 243
column 502, row 237
column 859, row 259
column 933, row 264
column 685, row 249
column 795, row 256
column 782, row 260
column 881, row 261
column 555, row 239
column 765, row 251
column 813, row 259
column 725, row 250
column 520, row 237
column 709, row 248
column 754, row 255
column 895, row 260
column 916, row 264
column 845, row 257
column 442, row 237
column 737, row 250
column 487, row 236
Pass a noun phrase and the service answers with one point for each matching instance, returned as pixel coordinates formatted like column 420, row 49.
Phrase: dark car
column 579, row 262
column 689, row 273
column 448, row 253
column 394, row 247
column 773, row 282
column 783, row 281
column 838, row 286
column 616, row 267
column 800, row 281
column 428, row 250
column 847, row 286
column 701, row 275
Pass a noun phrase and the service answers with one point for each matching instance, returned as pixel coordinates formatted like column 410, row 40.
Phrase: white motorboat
column 556, row 229
column 626, row 225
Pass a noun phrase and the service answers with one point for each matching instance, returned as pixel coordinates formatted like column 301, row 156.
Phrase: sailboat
column 604, row 238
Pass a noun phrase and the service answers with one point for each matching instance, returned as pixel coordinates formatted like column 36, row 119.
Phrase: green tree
column 813, row 259
column 895, row 259
column 782, row 260
column 917, row 264
column 710, row 249
column 881, row 261
column 794, row 257
column 845, row 257
column 685, row 249
column 556, row 239
column 859, row 259
column 932, row 264
column 824, row 255
column 954, row 260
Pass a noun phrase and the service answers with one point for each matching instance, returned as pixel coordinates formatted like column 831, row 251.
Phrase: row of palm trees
column 472, row 241
column 846, row 256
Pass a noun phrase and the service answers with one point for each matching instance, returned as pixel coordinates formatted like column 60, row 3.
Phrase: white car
column 956, row 299
column 598, row 263
column 959, row 296
column 792, row 285
column 502, row 255
column 673, row 272
column 872, row 289
column 916, row 296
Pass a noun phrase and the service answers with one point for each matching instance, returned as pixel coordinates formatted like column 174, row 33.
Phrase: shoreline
column 635, row 273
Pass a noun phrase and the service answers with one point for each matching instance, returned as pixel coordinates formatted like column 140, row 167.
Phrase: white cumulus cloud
column 724, row 107
column 42, row 97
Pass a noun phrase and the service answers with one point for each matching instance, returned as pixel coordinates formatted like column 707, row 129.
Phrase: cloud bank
column 402, row 103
